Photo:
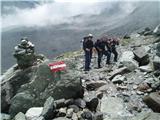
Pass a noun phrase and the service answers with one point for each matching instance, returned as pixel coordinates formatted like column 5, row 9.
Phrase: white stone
column 33, row 112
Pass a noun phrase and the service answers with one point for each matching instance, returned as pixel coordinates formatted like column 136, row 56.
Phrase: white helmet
column 90, row 35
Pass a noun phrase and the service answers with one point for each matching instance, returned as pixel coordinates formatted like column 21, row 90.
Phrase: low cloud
column 53, row 13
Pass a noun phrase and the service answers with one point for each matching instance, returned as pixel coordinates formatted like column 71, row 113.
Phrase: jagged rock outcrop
column 37, row 83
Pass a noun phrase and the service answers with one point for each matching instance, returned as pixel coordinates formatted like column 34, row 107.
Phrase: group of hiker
column 103, row 46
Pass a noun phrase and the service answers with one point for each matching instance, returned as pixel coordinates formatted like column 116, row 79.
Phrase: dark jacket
column 99, row 45
column 87, row 44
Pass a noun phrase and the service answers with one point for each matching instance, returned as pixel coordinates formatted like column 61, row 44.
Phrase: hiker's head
column 90, row 36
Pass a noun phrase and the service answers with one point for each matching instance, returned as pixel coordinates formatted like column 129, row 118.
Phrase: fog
column 58, row 12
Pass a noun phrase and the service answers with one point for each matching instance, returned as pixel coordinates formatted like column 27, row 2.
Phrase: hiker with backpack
column 87, row 47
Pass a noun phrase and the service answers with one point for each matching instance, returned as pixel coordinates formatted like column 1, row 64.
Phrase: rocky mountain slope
column 126, row 90
column 118, row 18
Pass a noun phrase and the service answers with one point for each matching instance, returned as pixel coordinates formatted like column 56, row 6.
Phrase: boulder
column 118, row 79
column 38, row 81
column 153, row 101
column 156, row 63
column 11, row 82
column 69, row 102
column 60, row 103
column 70, row 86
column 95, row 84
column 21, row 102
column 127, row 60
column 121, row 71
column 141, row 56
column 20, row 116
column 34, row 112
column 92, row 105
column 49, row 108
column 80, row 103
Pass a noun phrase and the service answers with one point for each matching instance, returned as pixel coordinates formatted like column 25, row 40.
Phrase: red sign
column 57, row 66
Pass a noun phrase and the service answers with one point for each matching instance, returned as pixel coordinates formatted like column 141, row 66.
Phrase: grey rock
column 80, row 103
column 147, row 68
column 118, row 79
column 127, row 59
column 75, row 108
column 39, row 81
column 141, row 56
column 153, row 101
column 60, row 103
column 49, row 108
column 69, row 102
column 121, row 71
column 87, row 115
column 113, row 106
column 75, row 116
column 94, row 85
column 20, row 116
column 69, row 113
column 21, row 102
column 69, row 86
column 62, row 112
column 34, row 112
column 92, row 105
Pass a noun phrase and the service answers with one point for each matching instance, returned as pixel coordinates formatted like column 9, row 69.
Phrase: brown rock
column 153, row 101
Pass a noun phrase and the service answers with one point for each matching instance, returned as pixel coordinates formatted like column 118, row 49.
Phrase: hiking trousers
column 88, row 56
